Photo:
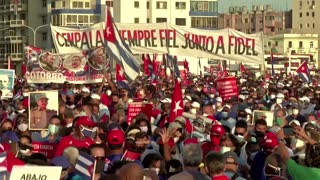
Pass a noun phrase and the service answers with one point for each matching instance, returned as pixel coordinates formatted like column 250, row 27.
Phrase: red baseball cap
column 115, row 137
column 217, row 128
column 191, row 141
column 270, row 140
column 85, row 121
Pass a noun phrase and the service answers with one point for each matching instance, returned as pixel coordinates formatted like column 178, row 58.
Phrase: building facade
column 259, row 19
column 204, row 14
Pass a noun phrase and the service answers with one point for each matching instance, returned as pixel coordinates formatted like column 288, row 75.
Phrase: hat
column 195, row 104
column 280, row 95
column 180, row 119
column 85, row 121
column 95, row 96
column 166, row 100
column 294, row 122
column 115, row 137
column 217, row 128
column 61, row 161
column 219, row 99
column 270, row 140
column 174, row 125
column 230, row 154
column 241, row 97
column 41, row 96
column 304, row 98
column 248, row 111
column 85, row 89
column 188, row 98
column 191, row 141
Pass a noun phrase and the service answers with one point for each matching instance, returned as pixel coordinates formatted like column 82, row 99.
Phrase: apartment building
column 204, row 14
column 259, row 19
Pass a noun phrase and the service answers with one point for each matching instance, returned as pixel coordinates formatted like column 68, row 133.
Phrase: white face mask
column 240, row 138
column 224, row 149
column 144, row 128
column 21, row 111
column 23, row 127
column 176, row 139
column 211, row 95
column 295, row 111
column 193, row 111
column 109, row 92
column 24, row 151
column 279, row 100
column 272, row 96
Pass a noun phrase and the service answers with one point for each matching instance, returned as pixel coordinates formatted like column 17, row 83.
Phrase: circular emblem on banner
column 98, row 59
column 50, row 62
column 75, row 62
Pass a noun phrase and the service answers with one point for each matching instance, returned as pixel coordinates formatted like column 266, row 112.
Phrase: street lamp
column 34, row 32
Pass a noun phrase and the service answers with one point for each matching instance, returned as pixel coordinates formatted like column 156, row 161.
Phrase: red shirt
column 207, row 147
column 223, row 177
column 71, row 141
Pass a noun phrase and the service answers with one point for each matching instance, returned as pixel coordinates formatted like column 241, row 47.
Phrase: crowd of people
column 215, row 138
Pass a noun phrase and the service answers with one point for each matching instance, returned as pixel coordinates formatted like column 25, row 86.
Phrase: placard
column 266, row 115
column 135, row 108
column 47, row 149
column 6, row 82
column 36, row 172
column 227, row 87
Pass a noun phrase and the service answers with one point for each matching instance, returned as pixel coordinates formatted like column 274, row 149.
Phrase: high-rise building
column 260, row 19
column 204, row 14
column 305, row 16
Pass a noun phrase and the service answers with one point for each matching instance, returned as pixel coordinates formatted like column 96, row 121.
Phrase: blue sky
column 276, row 4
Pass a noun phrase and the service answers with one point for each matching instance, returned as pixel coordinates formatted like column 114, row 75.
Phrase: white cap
column 304, row 98
column 280, row 95
column 166, row 100
column 95, row 96
column 219, row 99
column 248, row 111
column 188, row 98
column 295, row 122
column 85, row 89
column 195, row 104
column 241, row 97
column 227, row 106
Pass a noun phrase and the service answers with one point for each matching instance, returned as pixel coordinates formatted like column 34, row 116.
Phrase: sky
column 276, row 4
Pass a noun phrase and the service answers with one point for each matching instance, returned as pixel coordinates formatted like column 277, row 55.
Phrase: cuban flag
column 176, row 67
column 85, row 166
column 118, row 50
column 304, row 72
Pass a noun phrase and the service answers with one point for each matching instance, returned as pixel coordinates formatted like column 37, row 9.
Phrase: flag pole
column 94, row 169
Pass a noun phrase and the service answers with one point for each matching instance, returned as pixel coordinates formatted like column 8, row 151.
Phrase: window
column 311, row 44
column 148, row 5
column 246, row 20
column 204, row 6
column 300, row 4
column 22, row 16
column 301, row 14
column 181, row 21
column 109, row 3
column 136, row 4
column 87, row 5
column 180, row 5
column 63, row 4
column 300, row 26
column 276, row 43
column 252, row 20
column 312, row 14
column 269, row 44
column 307, row 13
column 53, row 4
column 161, row 5
column 313, row 25
column 313, row 3
column 307, row 25
column 290, row 44
column 228, row 22
column 160, row 20
column 136, row 20
column 77, row 4
column 44, row 3
column 300, row 44
column 148, row 20
column 22, row 32
column 44, row 19
column 44, row 36
column 204, row 22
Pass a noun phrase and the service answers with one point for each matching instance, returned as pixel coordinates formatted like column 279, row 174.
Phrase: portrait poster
column 42, row 106
column 6, row 82
column 266, row 115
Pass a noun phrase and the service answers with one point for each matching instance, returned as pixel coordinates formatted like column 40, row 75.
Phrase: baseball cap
column 166, row 100
column 85, row 89
column 217, row 128
column 230, row 154
column 115, row 137
column 95, row 96
column 219, row 99
column 85, row 121
column 270, row 140
column 195, row 104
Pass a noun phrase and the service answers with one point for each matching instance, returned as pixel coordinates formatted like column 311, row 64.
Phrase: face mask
column 313, row 122
column 21, row 111
column 240, row 138
column 224, row 114
column 259, row 134
column 279, row 121
column 23, row 127
column 224, row 149
column 176, row 139
column 279, row 101
column 53, row 129
column 144, row 128
column 218, row 104
column 211, row 96
column 86, row 132
column 295, row 111
column 24, row 151
column 215, row 140
column 157, row 170
column 109, row 92
column 193, row 111
column 252, row 155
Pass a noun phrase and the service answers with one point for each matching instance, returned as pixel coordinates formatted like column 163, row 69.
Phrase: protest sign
column 47, row 149
column 36, row 172
column 6, row 82
column 42, row 106
column 135, row 108
column 227, row 87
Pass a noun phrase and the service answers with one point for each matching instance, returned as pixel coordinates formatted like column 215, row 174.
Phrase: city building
column 259, row 19
column 204, row 14
column 292, row 46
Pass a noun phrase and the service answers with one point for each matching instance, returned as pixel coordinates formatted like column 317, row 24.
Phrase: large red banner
column 47, row 149
column 135, row 108
column 227, row 87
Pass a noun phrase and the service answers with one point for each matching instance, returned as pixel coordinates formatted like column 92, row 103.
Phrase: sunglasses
column 236, row 133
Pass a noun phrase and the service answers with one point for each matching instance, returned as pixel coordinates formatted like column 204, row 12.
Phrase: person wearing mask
column 226, row 119
column 278, row 103
column 124, row 97
column 143, row 123
column 219, row 105
column 260, row 128
column 98, row 152
column 22, row 126
column 6, row 126
column 53, row 130
column 269, row 144
column 231, row 167
column 305, row 106
column 192, row 158
column 229, row 143
column 24, row 148
column 216, row 133
column 215, row 166
column 152, row 162
column 295, row 115
column 82, row 137
column 280, row 115
column 88, row 110
column 115, row 144
column 312, row 119
column 195, row 108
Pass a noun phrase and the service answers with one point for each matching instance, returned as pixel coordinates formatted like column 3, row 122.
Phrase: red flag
column 176, row 108
column 186, row 66
column 23, row 69
column 146, row 65
column 155, row 64
column 243, row 69
column 109, row 30
column 119, row 73
column 10, row 65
